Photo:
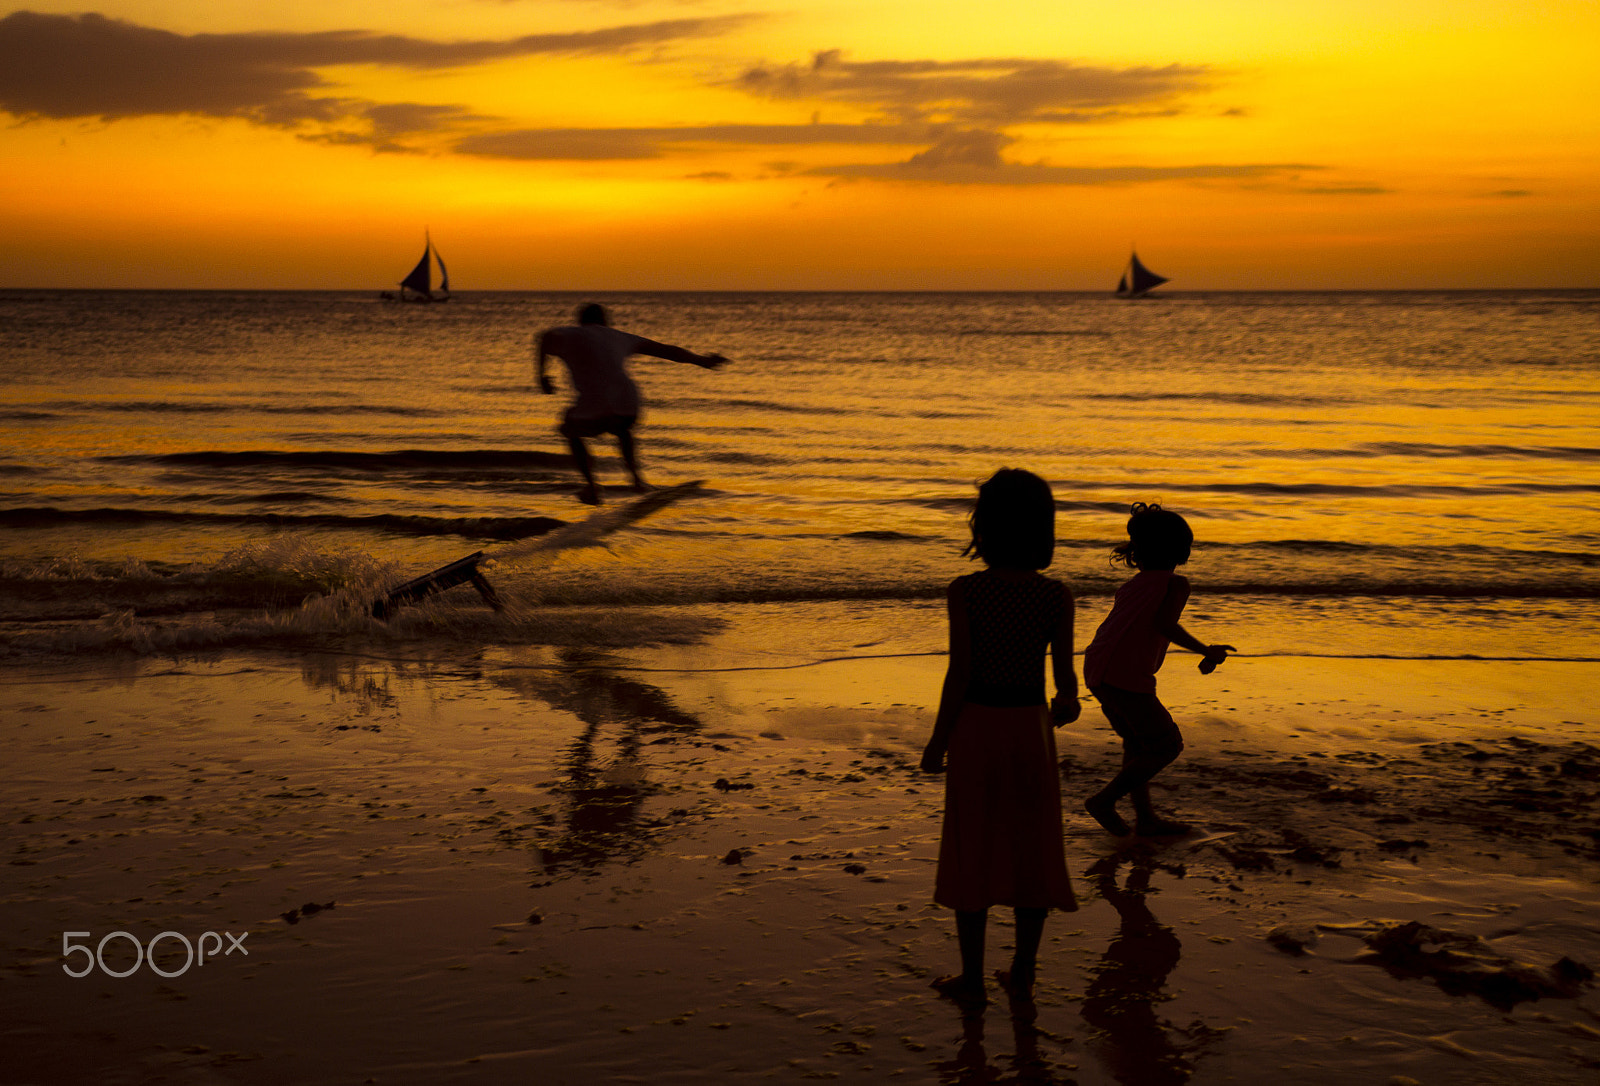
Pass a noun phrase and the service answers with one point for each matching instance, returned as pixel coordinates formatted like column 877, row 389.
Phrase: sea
column 1392, row 474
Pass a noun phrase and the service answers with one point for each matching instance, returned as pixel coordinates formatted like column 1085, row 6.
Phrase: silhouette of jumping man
column 607, row 400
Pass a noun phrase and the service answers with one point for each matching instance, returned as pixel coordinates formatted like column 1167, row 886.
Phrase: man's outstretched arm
column 676, row 354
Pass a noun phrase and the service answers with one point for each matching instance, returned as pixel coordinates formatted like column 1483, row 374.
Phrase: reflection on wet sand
column 1027, row 1066
column 350, row 681
column 1138, row 1047
column 603, row 796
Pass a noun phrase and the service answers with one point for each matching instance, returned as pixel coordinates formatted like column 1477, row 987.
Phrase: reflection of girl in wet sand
column 1001, row 842
column 1121, row 999
column 1121, row 662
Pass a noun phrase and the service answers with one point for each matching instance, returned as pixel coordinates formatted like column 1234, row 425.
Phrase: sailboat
column 1138, row 280
column 418, row 286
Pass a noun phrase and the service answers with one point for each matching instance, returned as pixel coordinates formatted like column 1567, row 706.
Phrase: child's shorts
column 1147, row 729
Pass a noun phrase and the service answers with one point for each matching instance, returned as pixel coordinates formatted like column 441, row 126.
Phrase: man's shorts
column 1147, row 729
column 594, row 427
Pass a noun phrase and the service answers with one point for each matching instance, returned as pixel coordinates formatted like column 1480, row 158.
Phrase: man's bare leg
column 590, row 494
column 630, row 458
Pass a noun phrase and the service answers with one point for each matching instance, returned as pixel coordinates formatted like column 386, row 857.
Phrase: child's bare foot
column 966, row 994
column 1160, row 827
column 1106, row 814
column 1019, row 992
column 589, row 495
column 641, row 487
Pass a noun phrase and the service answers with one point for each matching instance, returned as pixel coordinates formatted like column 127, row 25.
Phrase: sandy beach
column 700, row 862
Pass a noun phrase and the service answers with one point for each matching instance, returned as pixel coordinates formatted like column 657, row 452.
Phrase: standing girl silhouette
column 1120, row 665
column 1001, row 840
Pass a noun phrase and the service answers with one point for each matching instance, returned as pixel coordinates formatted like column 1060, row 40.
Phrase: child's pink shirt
column 1129, row 647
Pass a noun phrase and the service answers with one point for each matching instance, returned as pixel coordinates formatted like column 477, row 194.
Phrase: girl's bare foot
column 1019, row 992
column 1106, row 814
column 589, row 495
column 966, row 994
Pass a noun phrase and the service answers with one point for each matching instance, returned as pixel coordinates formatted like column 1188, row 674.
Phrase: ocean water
column 1382, row 473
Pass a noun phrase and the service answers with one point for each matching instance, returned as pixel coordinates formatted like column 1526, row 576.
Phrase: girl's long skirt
column 1001, row 843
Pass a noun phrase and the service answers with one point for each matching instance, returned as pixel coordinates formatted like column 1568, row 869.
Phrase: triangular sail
column 1138, row 280
column 444, row 273
column 1143, row 279
column 419, row 279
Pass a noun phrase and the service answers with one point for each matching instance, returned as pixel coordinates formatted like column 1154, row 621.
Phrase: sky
column 801, row 144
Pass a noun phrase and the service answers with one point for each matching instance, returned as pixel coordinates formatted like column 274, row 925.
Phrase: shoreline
column 732, row 869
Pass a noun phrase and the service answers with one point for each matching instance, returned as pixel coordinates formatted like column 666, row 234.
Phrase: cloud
column 381, row 126
column 1347, row 190
column 965, row 108
column 1511, row 193
column 543, row 144
column 65, row 66
column 922, row 104
column 983, row 92
column 957, row 172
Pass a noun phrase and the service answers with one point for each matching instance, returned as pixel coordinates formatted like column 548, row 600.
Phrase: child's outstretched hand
column 1215, row 654
column 932, row 760
column 1064, row 710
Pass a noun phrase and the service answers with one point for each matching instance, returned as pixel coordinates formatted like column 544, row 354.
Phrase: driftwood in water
column 461, row 571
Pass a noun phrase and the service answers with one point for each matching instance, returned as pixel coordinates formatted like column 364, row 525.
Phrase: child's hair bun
column 1157, row 538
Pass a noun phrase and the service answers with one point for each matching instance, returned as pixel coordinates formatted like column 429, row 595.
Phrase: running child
column 1001, row 840
column 1120, row 665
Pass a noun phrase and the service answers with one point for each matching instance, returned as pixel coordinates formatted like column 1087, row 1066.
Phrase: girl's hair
column 1014, row 521
column 1157, row 539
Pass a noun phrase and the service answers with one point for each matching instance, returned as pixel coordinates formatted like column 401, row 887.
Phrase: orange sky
column 718, row 144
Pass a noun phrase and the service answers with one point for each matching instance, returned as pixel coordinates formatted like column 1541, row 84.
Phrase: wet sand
column 583, row 865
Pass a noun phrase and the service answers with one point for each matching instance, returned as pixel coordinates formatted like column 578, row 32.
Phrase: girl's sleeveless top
column 1010, row 623
column 1127, row 649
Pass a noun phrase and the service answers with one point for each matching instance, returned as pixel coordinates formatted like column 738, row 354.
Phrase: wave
column 722, row 406
column 883, row 535
column 68, row 589
column 1441, row 452
column 1391, row 490
column 183, row 407
column 498, row 528
column 276, row 496
column 399, row 459
column 1033, row 333
column 1251, row 399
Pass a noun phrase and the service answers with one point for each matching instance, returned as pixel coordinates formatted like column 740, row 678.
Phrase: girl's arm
column 955, row 681
column 1065, row 707
column 1167, row 623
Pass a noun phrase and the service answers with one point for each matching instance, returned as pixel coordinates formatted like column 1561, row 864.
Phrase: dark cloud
column 382, row 126
column 971, row 165
column 983, row 92
column 967, row 154
column 1347, row 190
column 637, row 143
column 62, row 66
column 1511, row 193
column 966, row 106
